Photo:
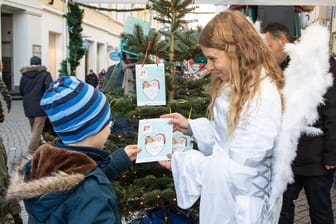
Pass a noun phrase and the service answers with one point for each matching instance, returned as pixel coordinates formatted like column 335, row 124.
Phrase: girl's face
column 217, row 62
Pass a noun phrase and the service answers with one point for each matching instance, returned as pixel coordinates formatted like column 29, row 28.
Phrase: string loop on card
column 156, row 54
column 182, row 101
column 113, row 101
column 186, row 101
column 146, row 54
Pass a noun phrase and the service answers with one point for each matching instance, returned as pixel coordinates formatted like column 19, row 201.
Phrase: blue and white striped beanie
column 75, row 109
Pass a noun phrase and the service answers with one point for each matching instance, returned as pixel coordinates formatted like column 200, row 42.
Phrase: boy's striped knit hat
column 75, row 109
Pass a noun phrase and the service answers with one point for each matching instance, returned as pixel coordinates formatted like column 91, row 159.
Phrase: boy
column 69, row 181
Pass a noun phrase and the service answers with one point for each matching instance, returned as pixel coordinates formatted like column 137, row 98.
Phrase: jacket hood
column 44, row 181
column 31, row 71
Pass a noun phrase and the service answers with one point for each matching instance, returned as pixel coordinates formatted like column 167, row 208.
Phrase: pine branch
column 74, row 19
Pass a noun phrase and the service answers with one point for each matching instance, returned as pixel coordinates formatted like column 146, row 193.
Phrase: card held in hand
column 155, row 138
column 181, row 142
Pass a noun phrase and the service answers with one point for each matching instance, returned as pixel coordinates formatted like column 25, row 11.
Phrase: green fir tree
column 74, row 18
column 148, row 185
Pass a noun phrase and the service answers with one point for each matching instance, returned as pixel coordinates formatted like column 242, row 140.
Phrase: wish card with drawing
column 181, row 142
column 155, row 139
column 150, row 84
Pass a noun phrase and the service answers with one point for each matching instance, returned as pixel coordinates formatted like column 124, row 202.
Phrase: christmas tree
column 148, row 185
column 74, row 18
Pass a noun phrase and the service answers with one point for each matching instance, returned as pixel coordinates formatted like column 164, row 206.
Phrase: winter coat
column 314, row 152
column 34, row 82
column 70, row 184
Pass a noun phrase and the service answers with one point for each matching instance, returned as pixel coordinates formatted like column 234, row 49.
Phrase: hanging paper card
column 181, row 142
column 150, row 84
column 155, row 139
column 132, row 21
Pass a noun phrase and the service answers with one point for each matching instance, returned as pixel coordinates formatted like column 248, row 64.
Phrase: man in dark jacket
column 92, row 79
column 34, row 81
column 314, row 164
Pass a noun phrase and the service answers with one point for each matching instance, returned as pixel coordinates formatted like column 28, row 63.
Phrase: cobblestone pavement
column 16, row 133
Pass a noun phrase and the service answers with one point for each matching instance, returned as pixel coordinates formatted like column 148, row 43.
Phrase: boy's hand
column 329, row 167
column 132, row 151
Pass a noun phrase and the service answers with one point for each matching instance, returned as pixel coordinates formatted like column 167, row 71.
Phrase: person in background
column 34, row 81
column 101, row 79
column 92, row 79
column 69, row 181
column 9, row 211
column 122, row 75
column 231, row 172
column 315, row 162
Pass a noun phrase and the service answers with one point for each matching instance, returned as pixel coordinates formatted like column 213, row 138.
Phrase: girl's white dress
column 231, row 175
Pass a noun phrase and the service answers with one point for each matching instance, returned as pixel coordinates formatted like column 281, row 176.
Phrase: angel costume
column 240, row 179
column 234, row 180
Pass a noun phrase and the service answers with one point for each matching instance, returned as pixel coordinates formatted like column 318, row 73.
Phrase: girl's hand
column 166, row 163
column 179, row 122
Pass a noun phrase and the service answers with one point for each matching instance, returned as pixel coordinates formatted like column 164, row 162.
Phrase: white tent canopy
column 227, row 2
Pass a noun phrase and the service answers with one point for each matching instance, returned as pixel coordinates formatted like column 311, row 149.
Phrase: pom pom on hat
column 75, row 109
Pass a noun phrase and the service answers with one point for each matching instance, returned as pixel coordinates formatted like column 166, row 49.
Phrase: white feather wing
column 306, row 81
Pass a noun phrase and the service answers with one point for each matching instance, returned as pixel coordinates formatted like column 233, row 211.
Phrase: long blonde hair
column 247, row 54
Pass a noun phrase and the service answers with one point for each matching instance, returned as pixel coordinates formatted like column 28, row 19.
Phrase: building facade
column 38, row 27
